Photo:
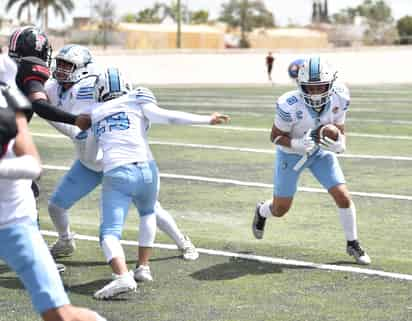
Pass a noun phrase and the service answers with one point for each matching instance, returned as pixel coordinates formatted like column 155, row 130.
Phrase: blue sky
column 296, row 11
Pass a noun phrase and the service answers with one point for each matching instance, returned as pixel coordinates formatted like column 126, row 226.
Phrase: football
column 328, row 130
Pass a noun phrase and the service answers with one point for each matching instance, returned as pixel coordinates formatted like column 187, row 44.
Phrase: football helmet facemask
column 70, row 64
column 29, row 41
column 315, row 82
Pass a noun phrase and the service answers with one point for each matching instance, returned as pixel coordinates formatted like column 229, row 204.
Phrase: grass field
column 218, row 215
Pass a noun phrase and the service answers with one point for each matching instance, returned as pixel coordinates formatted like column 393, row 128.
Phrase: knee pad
column 111, row 247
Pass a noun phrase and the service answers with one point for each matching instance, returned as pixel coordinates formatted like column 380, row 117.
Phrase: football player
column 120, row 125
column 23, row 249
column 318, row 100
column 73, row 89
column 29, row 47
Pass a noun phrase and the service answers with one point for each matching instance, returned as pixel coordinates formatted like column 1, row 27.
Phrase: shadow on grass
column 4, row 269
column 89, row 288
column 235, row 269
column 11, row 283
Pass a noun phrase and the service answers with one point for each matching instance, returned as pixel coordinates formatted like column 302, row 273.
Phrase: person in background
column 269, row 64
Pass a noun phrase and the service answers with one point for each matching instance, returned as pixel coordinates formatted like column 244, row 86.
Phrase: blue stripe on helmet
column 314, row 69
column 114, row 80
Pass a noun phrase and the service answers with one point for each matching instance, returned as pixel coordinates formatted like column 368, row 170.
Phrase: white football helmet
column 111, row 84
column 70, row 64
column 315, row 82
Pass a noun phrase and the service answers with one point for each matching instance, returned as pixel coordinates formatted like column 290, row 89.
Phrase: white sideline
column 254, row 184
column 263, row 259
column 243, row 149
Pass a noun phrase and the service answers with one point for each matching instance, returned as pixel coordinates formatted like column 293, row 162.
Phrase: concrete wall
column 359, row 66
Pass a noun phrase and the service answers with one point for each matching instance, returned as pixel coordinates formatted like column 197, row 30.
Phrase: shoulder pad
column 32, row 68
column 285, row 105
column 343, row 94
column 289, row 100
column 86, row 89
column 144, row 95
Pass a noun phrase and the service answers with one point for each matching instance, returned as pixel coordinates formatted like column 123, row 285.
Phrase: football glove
column 303, row 145
column 338, row 146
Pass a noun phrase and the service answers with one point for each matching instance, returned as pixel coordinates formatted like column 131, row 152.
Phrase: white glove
column 303, row 145
column 338, row 146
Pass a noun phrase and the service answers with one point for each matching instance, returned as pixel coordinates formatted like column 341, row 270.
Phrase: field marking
column 262, row 259
column 245, row 149
column 251, row 129
column 254, row 184
column 272, row 151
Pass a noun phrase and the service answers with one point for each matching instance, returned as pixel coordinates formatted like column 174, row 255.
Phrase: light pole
column 179, row 25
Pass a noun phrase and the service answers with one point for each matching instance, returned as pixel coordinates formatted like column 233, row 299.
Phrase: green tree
column 128, row 17
column 404, row 26
column 379, row 20
column 199, row 17
column 60, row 8
column 25, row 5
column 105, row 12
column 246, row 15
column 151, row 15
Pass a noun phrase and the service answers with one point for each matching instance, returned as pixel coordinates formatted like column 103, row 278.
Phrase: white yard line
column 247, row 150
column 251, row 129
column 263, row 259
column 255, row 184
column 272, row 151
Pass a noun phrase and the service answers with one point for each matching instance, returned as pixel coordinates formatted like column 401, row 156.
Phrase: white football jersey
column 120, row 126
column 78, row 99
column 17, row 201
column 295, row 118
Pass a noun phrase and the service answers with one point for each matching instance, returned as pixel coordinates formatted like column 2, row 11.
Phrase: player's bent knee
column 341, row 196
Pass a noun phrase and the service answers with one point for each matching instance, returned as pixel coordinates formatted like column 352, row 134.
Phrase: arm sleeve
column 283, row 119
column 163, row 116
column 47, row 111
column 66, row 129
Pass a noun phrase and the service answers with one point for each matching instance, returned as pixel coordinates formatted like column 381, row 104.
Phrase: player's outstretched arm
column 166, row 116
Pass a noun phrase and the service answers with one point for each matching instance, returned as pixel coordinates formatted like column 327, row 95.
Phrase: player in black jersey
column 30, row 49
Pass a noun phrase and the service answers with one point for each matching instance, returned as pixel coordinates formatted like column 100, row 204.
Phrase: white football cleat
column 63, row 247
column 142, row 274
column 354, row 249
column 121, row 284
column 188, row 250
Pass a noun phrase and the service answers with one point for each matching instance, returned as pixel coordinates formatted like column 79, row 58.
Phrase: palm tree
column 60, row 8
column 25, row 5
column 106, row 13
column 246, row 14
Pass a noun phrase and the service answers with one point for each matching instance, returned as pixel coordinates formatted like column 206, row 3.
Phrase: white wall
column 360, row 66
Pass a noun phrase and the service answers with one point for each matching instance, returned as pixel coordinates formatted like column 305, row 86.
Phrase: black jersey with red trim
column 32, row 73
